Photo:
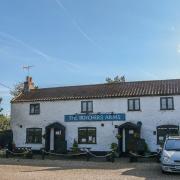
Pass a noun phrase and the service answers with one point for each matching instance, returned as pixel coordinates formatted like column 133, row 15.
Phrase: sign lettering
column 95, row 117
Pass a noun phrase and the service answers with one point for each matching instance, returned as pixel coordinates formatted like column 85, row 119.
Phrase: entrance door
column 127, row 139
column 59, row 140
column 129, row 133
column 55, row 138
column 130, row 139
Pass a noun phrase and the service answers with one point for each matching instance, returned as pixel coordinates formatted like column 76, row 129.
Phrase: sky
column 72, row 42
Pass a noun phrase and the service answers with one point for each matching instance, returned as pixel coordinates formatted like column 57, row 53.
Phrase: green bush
column 114, row 150
column 114, row 147
column 4, row 123
column 137, row 145
column 142, row 146
column 75, row 147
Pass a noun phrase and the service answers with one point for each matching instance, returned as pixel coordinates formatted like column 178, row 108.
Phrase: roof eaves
column 14, row 99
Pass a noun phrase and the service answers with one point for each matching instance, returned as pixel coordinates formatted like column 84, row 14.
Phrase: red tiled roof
column 112, row 90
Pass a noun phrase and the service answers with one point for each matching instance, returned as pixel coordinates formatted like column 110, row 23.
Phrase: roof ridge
column 105, row 90
column 113, row 83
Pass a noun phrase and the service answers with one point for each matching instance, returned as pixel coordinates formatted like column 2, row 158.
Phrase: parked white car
column 170, row 157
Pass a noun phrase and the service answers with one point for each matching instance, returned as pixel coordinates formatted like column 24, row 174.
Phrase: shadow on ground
column 145, row 170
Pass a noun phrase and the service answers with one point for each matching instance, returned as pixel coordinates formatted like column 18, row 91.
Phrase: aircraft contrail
column 77, row 26
column 37, row 51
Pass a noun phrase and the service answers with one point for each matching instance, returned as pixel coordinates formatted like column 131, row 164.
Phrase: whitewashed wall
column 150, row 115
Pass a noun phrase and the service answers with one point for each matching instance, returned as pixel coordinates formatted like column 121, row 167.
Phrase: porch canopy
column 55, row 125
column 130, row 125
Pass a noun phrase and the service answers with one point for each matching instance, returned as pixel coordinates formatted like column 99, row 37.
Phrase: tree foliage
column 116, row 79
column 0, row 105
column 18, row 88
column 4, row 120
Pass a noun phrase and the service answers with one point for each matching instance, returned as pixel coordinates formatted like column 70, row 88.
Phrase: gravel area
column 23, row 169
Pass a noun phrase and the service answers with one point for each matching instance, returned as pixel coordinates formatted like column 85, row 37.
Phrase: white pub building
column 94, row 115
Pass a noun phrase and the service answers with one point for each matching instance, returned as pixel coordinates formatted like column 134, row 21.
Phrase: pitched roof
column 112, row 90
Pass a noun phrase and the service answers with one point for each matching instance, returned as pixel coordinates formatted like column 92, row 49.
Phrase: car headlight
column 167, row 159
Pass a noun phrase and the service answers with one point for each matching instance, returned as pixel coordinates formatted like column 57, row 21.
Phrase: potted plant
column 114, row 149
column 75, row 147
column 118, row 136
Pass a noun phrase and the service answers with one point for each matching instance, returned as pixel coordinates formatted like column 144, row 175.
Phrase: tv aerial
column 27, row 68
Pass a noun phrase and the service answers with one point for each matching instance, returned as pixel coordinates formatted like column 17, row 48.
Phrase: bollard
column 112, row 156
column 7, row 153
column 43, row 154
column 87, row 156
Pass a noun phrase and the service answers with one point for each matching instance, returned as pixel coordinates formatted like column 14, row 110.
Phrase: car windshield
column 172, row 144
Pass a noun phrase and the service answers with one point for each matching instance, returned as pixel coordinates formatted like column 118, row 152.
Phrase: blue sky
column 83, row 41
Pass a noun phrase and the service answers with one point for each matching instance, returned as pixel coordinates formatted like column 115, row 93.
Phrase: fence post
column 112, row 156
column 7, row 153
column 87, row 156
column 43, row 154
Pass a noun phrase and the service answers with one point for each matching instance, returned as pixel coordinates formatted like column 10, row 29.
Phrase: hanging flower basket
column 136, row 135
column 118, row 136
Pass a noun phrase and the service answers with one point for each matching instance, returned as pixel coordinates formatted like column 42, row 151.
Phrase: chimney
column 28, row 84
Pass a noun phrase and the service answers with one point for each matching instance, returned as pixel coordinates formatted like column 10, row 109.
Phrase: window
column 34, row 108
column 87, row 135
column 166, row 130
column 133, row 104
column 87, row 106
column 34, row 135
column 167, row 103
column 172, row 144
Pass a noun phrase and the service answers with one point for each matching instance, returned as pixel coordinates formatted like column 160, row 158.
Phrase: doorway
column 55, row 138
column 128, row 133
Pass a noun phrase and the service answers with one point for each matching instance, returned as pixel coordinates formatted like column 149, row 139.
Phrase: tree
column 117, row 79
column 4, row 120
column 18, row 88
column 0, row 105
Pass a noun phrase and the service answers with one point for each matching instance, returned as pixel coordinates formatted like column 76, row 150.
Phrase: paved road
column 13, row 169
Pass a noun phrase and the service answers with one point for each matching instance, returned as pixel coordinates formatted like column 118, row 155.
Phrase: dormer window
column 86, row 106
column 34, row 109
